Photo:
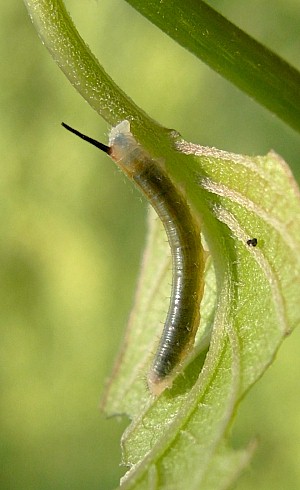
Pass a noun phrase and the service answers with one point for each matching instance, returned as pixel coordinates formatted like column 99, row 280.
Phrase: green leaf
column 228, row 50
column 180, row 440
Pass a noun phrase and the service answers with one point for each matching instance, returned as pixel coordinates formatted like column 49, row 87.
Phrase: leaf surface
column 250, row 304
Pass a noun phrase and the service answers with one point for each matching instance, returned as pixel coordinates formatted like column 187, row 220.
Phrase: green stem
column 75, row 59
column 231, row 52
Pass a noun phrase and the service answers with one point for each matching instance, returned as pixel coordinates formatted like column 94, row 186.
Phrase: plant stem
column 231, row 52
column 75, row 59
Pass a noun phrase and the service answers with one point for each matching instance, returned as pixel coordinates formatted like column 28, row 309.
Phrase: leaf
column 180, row 440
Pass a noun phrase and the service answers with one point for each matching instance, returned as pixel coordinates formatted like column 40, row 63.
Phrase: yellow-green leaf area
column 249, row 306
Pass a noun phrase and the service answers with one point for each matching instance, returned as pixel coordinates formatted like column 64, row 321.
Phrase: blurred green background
column 73, row 229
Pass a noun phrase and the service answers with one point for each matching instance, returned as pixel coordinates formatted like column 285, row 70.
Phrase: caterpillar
column 183, row 234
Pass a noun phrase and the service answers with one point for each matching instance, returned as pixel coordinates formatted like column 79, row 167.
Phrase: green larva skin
column 187, row 272
column 183, row 235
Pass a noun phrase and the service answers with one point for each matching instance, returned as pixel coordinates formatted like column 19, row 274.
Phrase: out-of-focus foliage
column 72, row 232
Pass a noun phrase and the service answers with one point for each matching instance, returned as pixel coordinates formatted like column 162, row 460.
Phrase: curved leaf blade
column 253, row 300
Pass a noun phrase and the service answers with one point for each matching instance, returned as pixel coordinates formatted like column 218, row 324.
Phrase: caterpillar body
column 183, row 234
